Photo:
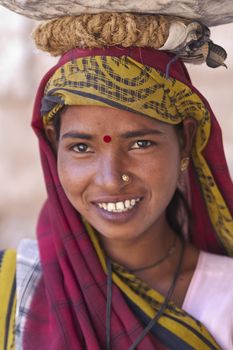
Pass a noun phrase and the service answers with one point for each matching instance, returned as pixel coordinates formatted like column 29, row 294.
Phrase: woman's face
column 90, row 170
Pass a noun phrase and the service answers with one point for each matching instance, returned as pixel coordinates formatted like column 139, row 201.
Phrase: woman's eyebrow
column 77, row 135
column 126, row 135
column 143, row 132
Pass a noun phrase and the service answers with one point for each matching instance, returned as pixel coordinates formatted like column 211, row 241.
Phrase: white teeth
column 133, row 202
column 111, row 207
column 127, row 203
column 119, row 207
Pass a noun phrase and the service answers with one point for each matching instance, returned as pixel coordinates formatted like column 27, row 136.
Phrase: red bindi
column 107, row 138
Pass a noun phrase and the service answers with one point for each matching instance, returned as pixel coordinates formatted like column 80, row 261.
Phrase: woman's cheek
column 68, row 174
column 165, row 177
column 74, row 180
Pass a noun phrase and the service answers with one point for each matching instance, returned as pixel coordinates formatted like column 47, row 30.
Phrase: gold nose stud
column 125, row 178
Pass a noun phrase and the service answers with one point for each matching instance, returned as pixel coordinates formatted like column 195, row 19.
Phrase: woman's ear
column 188, row 136
column 51, row 136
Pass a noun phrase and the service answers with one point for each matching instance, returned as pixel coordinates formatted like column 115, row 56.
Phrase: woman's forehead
column 97, row 118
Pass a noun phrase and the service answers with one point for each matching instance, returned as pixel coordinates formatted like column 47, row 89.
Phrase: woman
column 120, row 262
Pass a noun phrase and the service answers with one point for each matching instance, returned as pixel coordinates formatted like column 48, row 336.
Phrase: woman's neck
column 151, row 247
column 144, row 250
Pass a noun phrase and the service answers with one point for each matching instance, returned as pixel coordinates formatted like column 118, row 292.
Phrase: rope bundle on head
column 188, row 39
column 59, row 35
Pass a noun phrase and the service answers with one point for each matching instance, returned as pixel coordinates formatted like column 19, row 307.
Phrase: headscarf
column 68, row 309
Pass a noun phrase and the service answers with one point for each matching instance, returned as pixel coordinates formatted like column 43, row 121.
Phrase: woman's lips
column 119, row 217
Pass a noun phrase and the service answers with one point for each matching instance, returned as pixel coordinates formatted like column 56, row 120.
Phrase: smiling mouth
column 120, row 206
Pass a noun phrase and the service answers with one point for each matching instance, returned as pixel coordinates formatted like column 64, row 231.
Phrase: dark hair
column 56, row 121
column 179, row 214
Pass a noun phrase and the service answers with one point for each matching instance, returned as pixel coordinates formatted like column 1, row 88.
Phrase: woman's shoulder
column 7, row 297
column 28, row 275
column 28, row 248
column 216, row 267
column 213, row 275
column 16, row 264
column 210, row 296
column 19, row 275
column 27, row 266
column 7, row 276
column 27, row 258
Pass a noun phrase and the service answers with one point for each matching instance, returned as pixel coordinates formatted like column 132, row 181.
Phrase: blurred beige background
column 21, row 67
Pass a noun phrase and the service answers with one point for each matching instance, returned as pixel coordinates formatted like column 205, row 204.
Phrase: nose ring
column 125, row 178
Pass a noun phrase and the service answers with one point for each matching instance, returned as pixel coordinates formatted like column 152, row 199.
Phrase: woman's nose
column 109, row 173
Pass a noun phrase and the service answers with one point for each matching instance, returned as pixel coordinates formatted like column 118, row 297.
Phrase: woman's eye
column 80, row 148
column 142, row 144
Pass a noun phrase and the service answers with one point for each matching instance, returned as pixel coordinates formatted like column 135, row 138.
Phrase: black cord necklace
column 160, row 261
column 153, row 320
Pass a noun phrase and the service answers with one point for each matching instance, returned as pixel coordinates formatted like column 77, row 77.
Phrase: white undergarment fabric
column 210, row 297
